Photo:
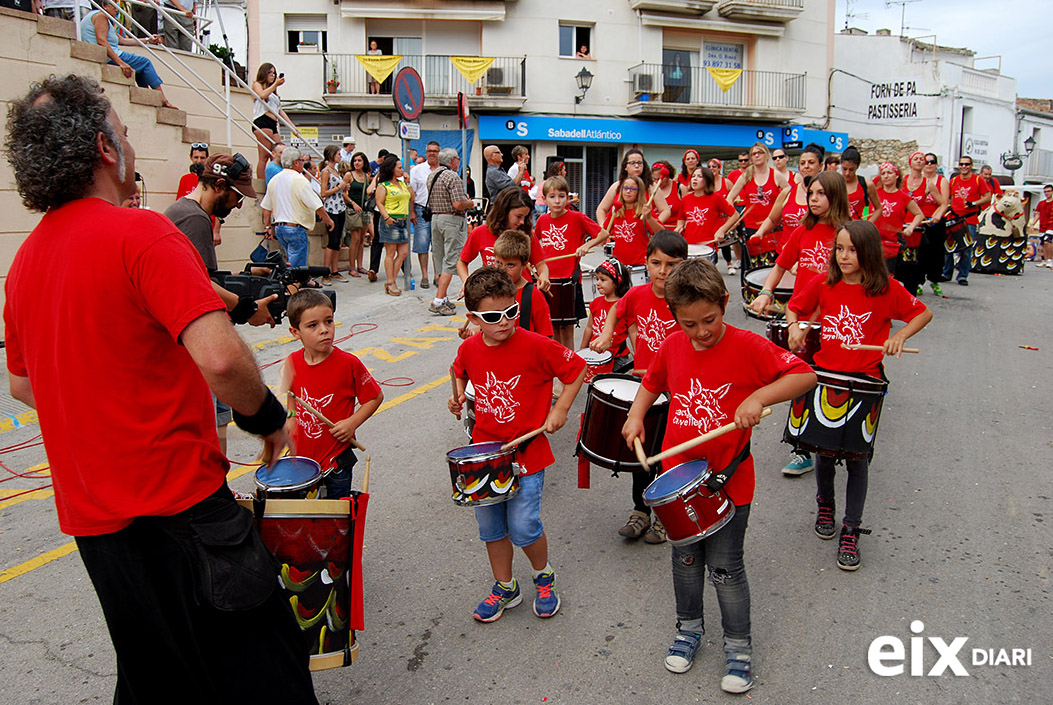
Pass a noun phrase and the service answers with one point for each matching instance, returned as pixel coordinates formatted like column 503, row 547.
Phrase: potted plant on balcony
column 333, row 83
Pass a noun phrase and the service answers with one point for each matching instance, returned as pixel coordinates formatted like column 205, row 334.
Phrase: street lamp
column 1029, row 145
column 584, row 79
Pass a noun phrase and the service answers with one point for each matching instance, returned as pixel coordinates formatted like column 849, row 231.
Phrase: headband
column 611, row 269
column 889, row 165
column 913, row 154
column 714, row 159
column 693, row 151
column 660, row 168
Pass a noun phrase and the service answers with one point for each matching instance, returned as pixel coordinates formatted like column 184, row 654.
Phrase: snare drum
column 689, row 510
column 779, row 333
column 606, row 410
column 596, row 363
column 702, row 252
column 562, row 302
column 958, row 237
column 839, row 418
column 469, row 410
column 760, row 252
column 753, row 283
column 638, row 275
column 483, row 474
column 314, row 540
column 588, row 283
column 292, row 477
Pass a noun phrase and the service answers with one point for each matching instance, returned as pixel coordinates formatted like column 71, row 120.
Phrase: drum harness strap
column 717, row 480
column 525, row 300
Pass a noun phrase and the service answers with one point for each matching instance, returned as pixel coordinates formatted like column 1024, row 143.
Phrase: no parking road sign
column 408, row 93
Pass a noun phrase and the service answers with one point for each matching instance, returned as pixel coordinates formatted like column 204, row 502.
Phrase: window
column 305, row 34
column 574, row 38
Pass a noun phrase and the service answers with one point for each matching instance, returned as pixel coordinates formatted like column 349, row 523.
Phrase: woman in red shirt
column 632, row 224
column 759, row 185
column 792, row 205
column 896, row 203
column 667, row 188
column 633, row 164
column 932, row 193
column 688, row 164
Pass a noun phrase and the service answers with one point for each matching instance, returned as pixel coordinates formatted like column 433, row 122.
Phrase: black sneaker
column 848, row 557
column 963, row 282
column 824, row 520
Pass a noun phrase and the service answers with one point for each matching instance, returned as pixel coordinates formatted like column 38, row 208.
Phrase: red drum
column 469, row 410
column 606, row 410
column 958, row 236
column 779, row 333
column 597, row 363
column 753, row 283
column 291, row 477
column 689, row 510
column 760, row 252
column 562, row 302
column 839, row 418
column 483, row 474
column 313, row 539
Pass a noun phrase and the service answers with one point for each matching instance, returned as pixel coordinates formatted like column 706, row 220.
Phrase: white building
column 899, row 90
column 650, row 64
column 1035, row 123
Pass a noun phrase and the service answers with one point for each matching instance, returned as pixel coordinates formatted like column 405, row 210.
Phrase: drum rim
column 491, row 455
column 605, row 356
column 879, row 386
column 513, row 489
column 303, row 485
column 684, row 490
column 663, row 398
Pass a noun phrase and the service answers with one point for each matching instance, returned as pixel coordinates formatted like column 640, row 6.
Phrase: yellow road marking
column 383, row 355
column 34, row 563
column 426, row 343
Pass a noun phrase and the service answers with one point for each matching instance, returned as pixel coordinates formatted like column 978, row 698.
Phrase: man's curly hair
column 51, row 139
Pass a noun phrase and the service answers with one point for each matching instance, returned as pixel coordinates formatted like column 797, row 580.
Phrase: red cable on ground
column 21, row 445
column 390, row 382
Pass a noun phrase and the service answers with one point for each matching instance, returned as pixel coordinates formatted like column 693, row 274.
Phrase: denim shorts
column 518, row 518
column 396, row 233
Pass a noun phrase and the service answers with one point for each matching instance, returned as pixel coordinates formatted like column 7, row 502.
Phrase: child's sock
column 546, row 569
column 507, row 586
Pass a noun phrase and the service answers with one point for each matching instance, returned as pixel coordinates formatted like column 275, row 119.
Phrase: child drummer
column 512, row 372
column 714, row 374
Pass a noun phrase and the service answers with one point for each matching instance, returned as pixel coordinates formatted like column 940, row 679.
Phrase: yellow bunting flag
column 471, row 67
column 379, row 66
column 725, row 78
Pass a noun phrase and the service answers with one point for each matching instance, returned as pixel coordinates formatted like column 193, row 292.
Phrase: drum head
column 477, row 451
column 290, row 473
column 681, row 478
column 756, row 278
column 695, row 251
column 591, row 357
column 623, row 388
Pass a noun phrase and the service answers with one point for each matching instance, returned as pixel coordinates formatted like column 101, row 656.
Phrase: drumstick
column 365, row 477
column 453, row 382
column 572, row 254
column 640, row 455
column 860, row 346
column 321, row 417
column 688, row 445
column 525, row 437
column 639, row 373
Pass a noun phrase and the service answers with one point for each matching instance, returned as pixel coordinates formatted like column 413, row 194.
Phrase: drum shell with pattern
column 606, row 410
column 689, row 510
column 482, row 474
column 839, row 418
column 998, row 255
column 958, row 237
column 779, row 333
column 753, row 284
column 760, row 252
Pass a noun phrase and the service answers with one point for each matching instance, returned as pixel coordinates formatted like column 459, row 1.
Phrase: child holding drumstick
column 857, row 302
column 512, row 371
column 703, row 211
column 714, row 374
column 612, row 283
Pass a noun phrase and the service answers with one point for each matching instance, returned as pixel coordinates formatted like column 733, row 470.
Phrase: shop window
column 575, row 41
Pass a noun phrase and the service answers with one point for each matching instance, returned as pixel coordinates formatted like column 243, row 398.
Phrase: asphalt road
column 959, row 503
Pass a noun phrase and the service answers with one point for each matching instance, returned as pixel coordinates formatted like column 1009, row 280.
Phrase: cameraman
column 224, row 182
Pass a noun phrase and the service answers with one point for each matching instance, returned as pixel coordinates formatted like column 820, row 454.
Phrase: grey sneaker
column 446, row 308
column 738, row 676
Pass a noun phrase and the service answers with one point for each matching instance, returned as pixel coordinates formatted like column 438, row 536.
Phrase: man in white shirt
column 418, row 179
column 348, row 149
column 522, row 156
column 289, row 208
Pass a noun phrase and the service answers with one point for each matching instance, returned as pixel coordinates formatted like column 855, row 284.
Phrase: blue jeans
column 722, row 552
column 294, row 239
column 337, row 484
column 421, row 232
column 965, row 260
column 145, row 75
column 518, row 518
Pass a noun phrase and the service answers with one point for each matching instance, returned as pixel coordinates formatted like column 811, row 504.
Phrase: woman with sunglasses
column 792, row 205
column 633, row 164
column 759, row 185
column 932, row 193
column 781, row 161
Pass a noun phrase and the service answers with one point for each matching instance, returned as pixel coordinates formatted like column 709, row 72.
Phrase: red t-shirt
column 792, row 216
column 855, row 201
column 762, row 200
column 513, row 389
column 971, row 189
column 599, row 308
column 706, row 387
column 630, row 239
column 733, row 177
column 331, row 386
column 540, row 315
column 721, row 188
column 652, row 318
column 995, row 186
column 1045, row 215
column 128, row 421
column 925, row 200
column 673, row 201
column 703, row 215
column 890, row 222
column 187, row 183
column 563, row 236
column 850, row 316
column 481, row 241
column 810, row 251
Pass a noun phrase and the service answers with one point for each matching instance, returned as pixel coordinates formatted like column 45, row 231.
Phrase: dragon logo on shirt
column 698, row 216
column 962, row 192
column 653, row 330
column 496, row 397
column 555, row 237
column 887, row 208
column 488, row 256
column 311, row 426
column 845, row 327
column 760, row 197
column 599, row 319
column 701, row 407
column 816, row 258
column 624, row 232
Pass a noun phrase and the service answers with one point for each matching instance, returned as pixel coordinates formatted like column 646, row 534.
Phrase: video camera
column 279, row 281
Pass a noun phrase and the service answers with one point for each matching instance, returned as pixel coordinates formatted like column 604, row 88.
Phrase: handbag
column 259, row 254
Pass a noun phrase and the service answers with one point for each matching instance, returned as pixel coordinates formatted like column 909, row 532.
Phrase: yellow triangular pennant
column 471, row 67
column 379, row 66
column 725, row 78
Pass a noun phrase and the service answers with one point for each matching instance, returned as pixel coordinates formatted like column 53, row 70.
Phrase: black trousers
column 931, row 253
column 376, row 250
column 173, row 647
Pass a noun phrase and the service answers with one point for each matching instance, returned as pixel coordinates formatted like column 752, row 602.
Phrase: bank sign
column 617, row 131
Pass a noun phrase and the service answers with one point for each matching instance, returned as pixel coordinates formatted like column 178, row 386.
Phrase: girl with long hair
column 633, row 164
column 632, row 223
column 703, row 211
column 332, row 193
column 265, row 112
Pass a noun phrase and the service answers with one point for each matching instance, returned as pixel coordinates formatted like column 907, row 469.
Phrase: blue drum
column 689, row 510
column 289, row 478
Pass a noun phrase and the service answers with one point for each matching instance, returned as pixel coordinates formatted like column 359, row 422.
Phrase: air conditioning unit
column 643, row 83
column 495, row 77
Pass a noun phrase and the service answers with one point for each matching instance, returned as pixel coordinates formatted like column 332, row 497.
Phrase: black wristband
column 244, row 310
column 264, row 422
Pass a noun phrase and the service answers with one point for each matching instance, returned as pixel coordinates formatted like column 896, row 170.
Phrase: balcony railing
column 505, row 78
column 694, row 86
column 764, row 10
column 1039, row 165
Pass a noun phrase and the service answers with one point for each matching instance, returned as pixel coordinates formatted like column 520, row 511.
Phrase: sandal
column 355, row 273
column 371, row 275
column 362, row 270
column 392, row 292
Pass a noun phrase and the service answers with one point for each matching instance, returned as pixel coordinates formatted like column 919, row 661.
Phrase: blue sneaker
column 500, row 599
column 738, row 677
column 798, row 465
column 546, row 603
column 682, row 653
